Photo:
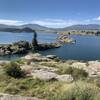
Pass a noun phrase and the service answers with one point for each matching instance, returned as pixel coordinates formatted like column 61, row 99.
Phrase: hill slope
column 43, row 28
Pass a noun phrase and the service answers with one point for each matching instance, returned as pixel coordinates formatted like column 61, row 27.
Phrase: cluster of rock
column 20, row 47
column 44, row 72
column 91, row 67
column 65, row 39
column 33, row 66
column 49, row 75
column 23, row 47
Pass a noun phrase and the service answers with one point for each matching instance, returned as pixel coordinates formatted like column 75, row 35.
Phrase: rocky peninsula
column 23, row 47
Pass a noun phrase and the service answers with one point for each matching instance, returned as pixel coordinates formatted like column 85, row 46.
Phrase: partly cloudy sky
column 98, row 18
column 10, row 22
column 65, row 22
column 50, row 13
column 51, row 22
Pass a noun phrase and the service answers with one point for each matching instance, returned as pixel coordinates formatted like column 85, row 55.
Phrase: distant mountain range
column 42, row 28
column 82, row 27
column 31, row 26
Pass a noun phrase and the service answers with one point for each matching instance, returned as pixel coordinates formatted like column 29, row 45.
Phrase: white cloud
column 10, row 22
column 55, row 22
column 98, row 18
column 60, row 23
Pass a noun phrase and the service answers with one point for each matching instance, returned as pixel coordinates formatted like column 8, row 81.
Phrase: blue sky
column 51, row 13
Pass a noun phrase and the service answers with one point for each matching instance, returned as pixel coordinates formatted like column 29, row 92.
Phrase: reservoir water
column 85, row 48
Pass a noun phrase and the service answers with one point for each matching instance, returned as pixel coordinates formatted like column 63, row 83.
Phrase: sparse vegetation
column 97, row 82
column 50, row 90
column 75, row 91
column 13, row 69
column 75, row 72
column 12, row 82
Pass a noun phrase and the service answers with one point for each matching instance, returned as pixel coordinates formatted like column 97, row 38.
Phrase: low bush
column 20, row 61
column 75, row 72
column 11, row 90
column 75, row 91
column 13, row 69
column 97, row 82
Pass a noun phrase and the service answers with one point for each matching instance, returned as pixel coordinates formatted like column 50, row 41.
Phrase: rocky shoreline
column 20, row 47
column 23, row 47
column 49, row 72
column 45, row 64
column 91, row 67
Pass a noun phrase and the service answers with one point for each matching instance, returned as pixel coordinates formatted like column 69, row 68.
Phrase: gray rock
column 20, row 47
column 7, row 52
column 51, row 56
column 65, row 78
column 48, row 74
column 38, row 58
column 44, row 75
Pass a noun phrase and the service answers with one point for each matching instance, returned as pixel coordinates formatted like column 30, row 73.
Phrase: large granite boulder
column 44, row 75
column 65, row 78
column 48, row 73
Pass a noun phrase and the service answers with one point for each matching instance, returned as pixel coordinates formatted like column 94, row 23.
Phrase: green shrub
column 20, row 61
column 13, row 69
column 79, row 73
column 11, row 90
column 78, row 91
column 75, row 72
column 97, row 82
